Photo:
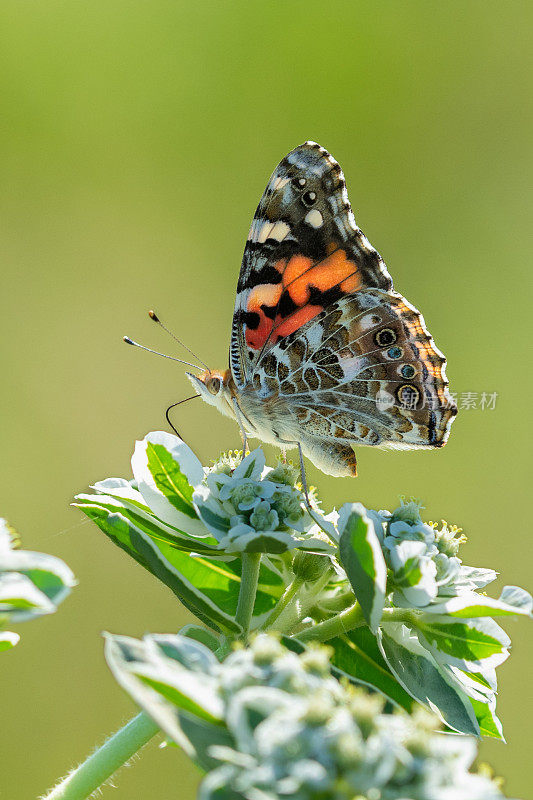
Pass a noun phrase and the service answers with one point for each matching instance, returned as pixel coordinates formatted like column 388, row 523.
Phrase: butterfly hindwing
column 364, row 371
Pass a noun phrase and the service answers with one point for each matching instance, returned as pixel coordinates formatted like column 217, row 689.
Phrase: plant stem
column 341, row 623
column 284, row 600
column 100, row 766
column 305, row 599
column 249, row 578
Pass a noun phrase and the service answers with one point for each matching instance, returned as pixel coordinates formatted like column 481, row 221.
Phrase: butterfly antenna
column 156, row 319
column 174, row 406
column 157, row 353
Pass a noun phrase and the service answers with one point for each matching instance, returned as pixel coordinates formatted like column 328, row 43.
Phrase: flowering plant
column 247, row 552
column 277, row 724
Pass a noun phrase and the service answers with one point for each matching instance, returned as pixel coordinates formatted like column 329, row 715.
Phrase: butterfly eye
column 213, row 385
column 384, row 337
column 298, row 183
column 309, row 199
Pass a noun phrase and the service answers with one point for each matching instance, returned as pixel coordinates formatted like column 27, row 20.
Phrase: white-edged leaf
column 202, row 635
column 186, row 651
column 20, row 599
column 517, row 598
column 95, row 505
column 161, row 686
column 475, row 577
column 356, row 656
column 512, row 601
column 191, row 576
column 420, row 675
column 470, row 644
column 362, row 558
column 166, row 470
column 477, row 685
column 121, row 489
column 489, row 722
column 49, row 574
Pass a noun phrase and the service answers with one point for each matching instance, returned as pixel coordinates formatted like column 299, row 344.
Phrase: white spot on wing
column 279, row 231
column 279, row 183
column 264, row 232
column 314, row 218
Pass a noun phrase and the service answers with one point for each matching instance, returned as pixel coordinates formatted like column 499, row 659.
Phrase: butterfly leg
column 244, row 437
column 302, row 474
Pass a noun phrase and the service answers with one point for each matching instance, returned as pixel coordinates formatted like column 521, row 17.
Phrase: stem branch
column 249, row 579
column 100, row 766
column 341, row 623
column 291, row 590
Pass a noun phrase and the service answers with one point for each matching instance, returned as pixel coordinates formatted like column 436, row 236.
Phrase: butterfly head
column 214, row 387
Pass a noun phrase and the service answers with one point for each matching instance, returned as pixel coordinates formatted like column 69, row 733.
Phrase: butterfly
column 325, row 355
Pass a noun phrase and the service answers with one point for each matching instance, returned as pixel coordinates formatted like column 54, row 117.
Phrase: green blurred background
column 136, row 139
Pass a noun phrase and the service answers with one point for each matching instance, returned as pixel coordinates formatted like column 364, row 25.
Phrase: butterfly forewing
column 304, row 251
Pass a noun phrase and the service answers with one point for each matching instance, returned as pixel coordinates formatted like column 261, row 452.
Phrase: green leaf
column 511, row 602
column 489, row 724
column 166, row 471
column 362, row 558
column 421, row 677
column 96, row 506
column 468, row 644
column 357, row 656
column 162, row 686
column 201, row 635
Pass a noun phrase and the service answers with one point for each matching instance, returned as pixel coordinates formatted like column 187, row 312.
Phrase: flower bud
column 309, row 567
column 316, row 660
column 284, row 473
column 407, row 512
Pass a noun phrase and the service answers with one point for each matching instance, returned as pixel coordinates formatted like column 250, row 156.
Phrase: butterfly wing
column 304, row 251
column 365, row 371
column 318, row 324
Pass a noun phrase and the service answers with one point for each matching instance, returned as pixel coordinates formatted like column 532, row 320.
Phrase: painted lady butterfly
column 324, row 354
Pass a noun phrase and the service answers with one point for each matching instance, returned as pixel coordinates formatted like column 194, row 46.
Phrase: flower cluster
column 291, row 728
column 253, row 508
column 423, row 560
column 31, row 584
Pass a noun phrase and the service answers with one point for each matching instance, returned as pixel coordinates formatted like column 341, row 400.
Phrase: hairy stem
column 341, row 623
column 304, row 599
column 100, row 766
column 284, row 600
column 251, row 563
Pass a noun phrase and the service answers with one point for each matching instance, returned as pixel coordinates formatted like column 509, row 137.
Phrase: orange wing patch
column 299, row 279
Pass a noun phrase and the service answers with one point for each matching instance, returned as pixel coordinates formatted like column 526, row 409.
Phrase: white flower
column 253, row 508
column 416, row 533
column 415, row 572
